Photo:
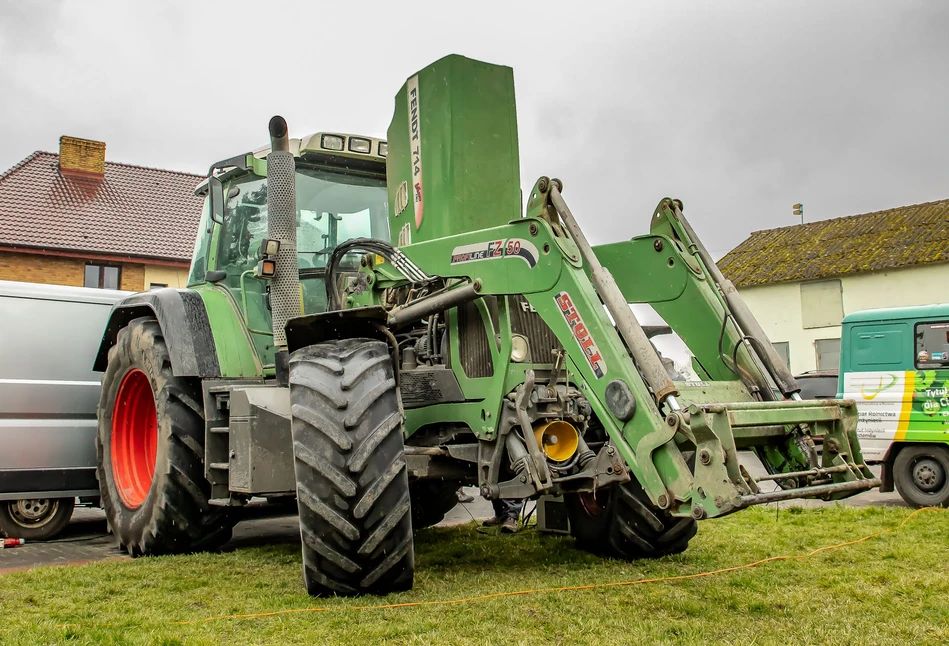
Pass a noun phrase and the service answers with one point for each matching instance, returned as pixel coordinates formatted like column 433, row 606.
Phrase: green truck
column 895, row 364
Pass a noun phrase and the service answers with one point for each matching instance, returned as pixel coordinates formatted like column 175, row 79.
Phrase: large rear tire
column 150, row 444
column 352, row 484
column 621, row 522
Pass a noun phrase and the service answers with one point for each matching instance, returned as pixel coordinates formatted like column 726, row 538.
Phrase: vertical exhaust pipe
column 282, row 226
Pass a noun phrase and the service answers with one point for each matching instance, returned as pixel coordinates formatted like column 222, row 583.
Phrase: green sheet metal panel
column 453, row 161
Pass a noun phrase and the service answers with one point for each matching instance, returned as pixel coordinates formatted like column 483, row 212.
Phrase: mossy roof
column 890, row 239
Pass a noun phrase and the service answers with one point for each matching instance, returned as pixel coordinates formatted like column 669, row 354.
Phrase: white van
column 49, row 337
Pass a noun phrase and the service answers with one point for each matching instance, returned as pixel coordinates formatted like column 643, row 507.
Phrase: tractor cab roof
column 327, row 146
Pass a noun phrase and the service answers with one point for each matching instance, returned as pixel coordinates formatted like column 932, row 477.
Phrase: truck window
column 932, row 345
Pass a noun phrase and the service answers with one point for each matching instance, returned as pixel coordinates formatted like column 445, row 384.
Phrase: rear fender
column 184, row 324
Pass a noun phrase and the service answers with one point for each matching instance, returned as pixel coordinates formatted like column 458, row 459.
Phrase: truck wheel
column 36, row 519
column 150, row 445
column 431, row 500
column 621, row 522
column 921, row 475
column 352, row 484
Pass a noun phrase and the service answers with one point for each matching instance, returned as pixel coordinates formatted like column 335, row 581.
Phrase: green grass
column 889, row 590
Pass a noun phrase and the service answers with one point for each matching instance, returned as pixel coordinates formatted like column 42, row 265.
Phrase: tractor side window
column 199, row 258
column 932, row 345
column 245, row 225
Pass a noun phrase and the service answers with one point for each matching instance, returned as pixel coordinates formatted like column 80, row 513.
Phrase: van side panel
column 48, row 391
column 895, row 402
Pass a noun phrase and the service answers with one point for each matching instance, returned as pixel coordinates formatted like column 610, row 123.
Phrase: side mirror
column 216, row 191
column 216, row 188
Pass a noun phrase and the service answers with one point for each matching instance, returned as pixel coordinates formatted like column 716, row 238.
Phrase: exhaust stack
column 282, row 226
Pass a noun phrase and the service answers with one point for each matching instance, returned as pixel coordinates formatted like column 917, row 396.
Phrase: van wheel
column 36, row 519
column 150, row 445
column 921, row 475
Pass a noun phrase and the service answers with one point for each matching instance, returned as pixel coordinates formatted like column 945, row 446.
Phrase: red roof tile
column 133, row 211
column 890, row 239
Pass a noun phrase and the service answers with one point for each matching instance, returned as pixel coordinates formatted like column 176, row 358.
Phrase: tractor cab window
column 331, row 208
column 199, row 257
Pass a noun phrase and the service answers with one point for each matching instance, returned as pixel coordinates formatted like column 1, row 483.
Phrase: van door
column 877, row 374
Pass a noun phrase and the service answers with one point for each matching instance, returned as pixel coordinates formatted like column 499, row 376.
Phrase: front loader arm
column 537, row 257
column 526, row 257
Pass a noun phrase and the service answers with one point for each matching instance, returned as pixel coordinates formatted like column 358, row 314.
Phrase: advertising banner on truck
column 910, row 406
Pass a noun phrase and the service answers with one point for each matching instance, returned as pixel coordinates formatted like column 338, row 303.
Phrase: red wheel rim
column 134, row 438
column 594, row 504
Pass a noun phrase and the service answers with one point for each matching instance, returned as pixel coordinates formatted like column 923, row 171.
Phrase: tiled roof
column 900, row 237
column 133, row 211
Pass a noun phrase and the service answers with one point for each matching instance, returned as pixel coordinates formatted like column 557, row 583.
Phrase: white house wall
column 778, row 306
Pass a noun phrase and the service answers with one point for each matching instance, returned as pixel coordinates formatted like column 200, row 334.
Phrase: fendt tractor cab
column 370, row 325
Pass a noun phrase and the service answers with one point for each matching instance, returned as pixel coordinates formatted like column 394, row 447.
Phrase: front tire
column 36, row 519
column 150, row 445
column 352, row 483
column 921, row 475
column 621, row 522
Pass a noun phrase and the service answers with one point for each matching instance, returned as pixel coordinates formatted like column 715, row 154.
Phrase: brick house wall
column 58, row 270
column 61, row 212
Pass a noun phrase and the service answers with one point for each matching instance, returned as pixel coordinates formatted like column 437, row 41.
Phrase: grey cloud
column 738, row 108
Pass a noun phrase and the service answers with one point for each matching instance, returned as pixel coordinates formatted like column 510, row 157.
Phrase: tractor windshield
column 331, row 208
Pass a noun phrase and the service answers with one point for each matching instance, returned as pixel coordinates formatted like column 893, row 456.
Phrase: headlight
column 331, row 142
column 383, row 149
column 519, row 348
column 358, row 145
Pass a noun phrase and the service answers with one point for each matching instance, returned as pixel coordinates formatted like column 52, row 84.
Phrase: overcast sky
column 740, row 109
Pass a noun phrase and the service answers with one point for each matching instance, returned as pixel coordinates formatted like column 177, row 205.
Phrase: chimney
column 81, row 157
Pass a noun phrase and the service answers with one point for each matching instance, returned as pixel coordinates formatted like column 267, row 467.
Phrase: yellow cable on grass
column 571, row 588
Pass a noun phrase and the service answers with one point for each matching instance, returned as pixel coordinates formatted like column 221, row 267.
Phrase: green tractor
column 371, row 324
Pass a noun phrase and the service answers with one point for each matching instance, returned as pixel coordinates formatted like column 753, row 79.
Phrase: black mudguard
column 184, row 323
column 361, row 322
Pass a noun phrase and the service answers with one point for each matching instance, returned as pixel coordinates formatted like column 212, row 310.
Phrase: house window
column 828, row 354
column 102, row 276
column 783, row 348
column 157, row 285
column 932, row 345
column 821, row 304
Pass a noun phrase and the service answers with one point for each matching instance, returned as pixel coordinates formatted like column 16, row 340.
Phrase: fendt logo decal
column 415, row 130
column 494, row 249
column 581, row 334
